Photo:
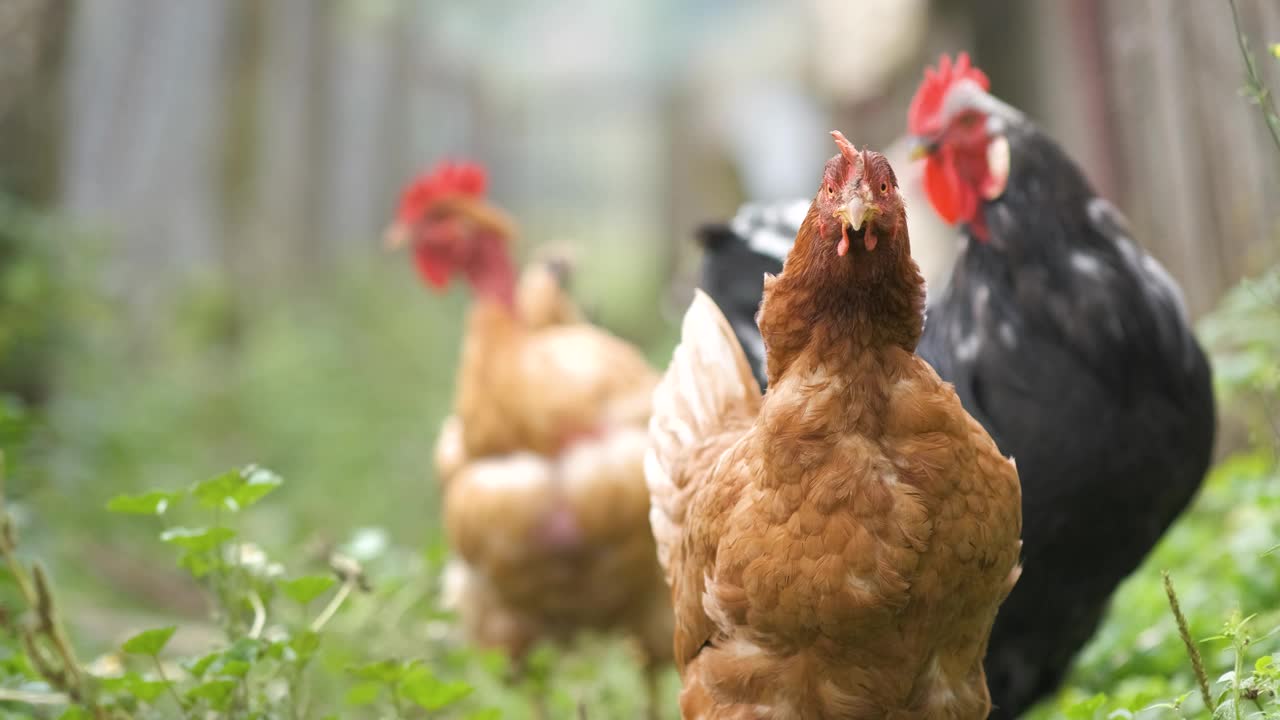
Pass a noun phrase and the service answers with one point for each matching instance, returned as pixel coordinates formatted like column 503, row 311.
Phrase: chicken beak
column 858, row 212
column 921, row 147
column 396, row 236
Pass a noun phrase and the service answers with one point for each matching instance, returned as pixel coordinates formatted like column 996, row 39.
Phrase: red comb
column 922, row 117
column 847, row 149
column 445, row 180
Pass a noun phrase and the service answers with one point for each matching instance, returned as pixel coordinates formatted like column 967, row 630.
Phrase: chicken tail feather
column 707, row 384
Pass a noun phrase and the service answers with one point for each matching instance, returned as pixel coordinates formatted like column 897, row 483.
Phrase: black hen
column 1072, row 347
column 737, row 256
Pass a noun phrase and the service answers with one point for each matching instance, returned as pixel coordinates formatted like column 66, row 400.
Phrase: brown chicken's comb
column 847, row 149
column 444, row 180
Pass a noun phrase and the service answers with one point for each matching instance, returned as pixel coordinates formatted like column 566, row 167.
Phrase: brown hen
column 838, row 547
column 542, row 300
column 542, row 461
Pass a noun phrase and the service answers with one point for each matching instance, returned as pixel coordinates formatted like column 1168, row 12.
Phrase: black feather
column 736, row 258
column 714, row 236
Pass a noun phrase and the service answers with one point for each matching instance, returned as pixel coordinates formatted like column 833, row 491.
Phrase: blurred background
column 192, row 196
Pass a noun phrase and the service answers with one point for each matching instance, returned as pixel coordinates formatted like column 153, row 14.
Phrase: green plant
column 271, row 630
column 1240, row 694
column 1245, row 335
column 32, row 301
column 1256, row 91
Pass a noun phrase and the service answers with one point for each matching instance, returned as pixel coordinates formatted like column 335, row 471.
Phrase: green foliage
column 305, row 589
column 1245, row 335
column 1254, row 88
column 237, row 489
column 151, row 503
column 272, row 657
column 32, row 301
column 149, row 642
column 264, row 664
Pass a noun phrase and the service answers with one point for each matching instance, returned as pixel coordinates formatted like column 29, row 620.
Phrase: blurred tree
column 32, row 42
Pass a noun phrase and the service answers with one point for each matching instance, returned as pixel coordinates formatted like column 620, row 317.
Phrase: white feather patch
column 997, row 168
column 708, row 374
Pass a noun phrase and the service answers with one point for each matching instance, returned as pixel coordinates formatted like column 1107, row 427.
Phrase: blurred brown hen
column 541, row 301
column 838, row 547
column 542, row 461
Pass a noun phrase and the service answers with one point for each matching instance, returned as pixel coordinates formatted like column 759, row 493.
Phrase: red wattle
column 489, row 269
column 954, row 200
column 939, row 186
column 432, row 269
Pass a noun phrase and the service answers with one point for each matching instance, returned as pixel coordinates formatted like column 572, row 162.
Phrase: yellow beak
column 857, row 213
column 396, row 236
column 920, row 147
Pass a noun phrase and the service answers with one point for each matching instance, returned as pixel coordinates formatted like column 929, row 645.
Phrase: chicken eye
column 831, row 190
column 884, row 187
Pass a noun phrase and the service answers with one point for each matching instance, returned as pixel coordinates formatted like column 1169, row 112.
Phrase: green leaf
column 199, row 666
column 383, row 671
column 429, row 692
column 216, row 692
column 305, row 589
column 198, row 564
column 364, row 693
column 236, row 489
column 197, row 539
column 280, row 650
column 234, row 668
column 258, row 482
column 148, row 690
column 75, row 712
column 305, row 644
column 1086, row 708
column 149, row 642
column 219, row 491
column 152, row 503
column 485, row 714
column 246, row 648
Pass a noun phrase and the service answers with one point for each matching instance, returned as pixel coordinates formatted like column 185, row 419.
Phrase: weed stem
column 1197, row 664
column 332, row 608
